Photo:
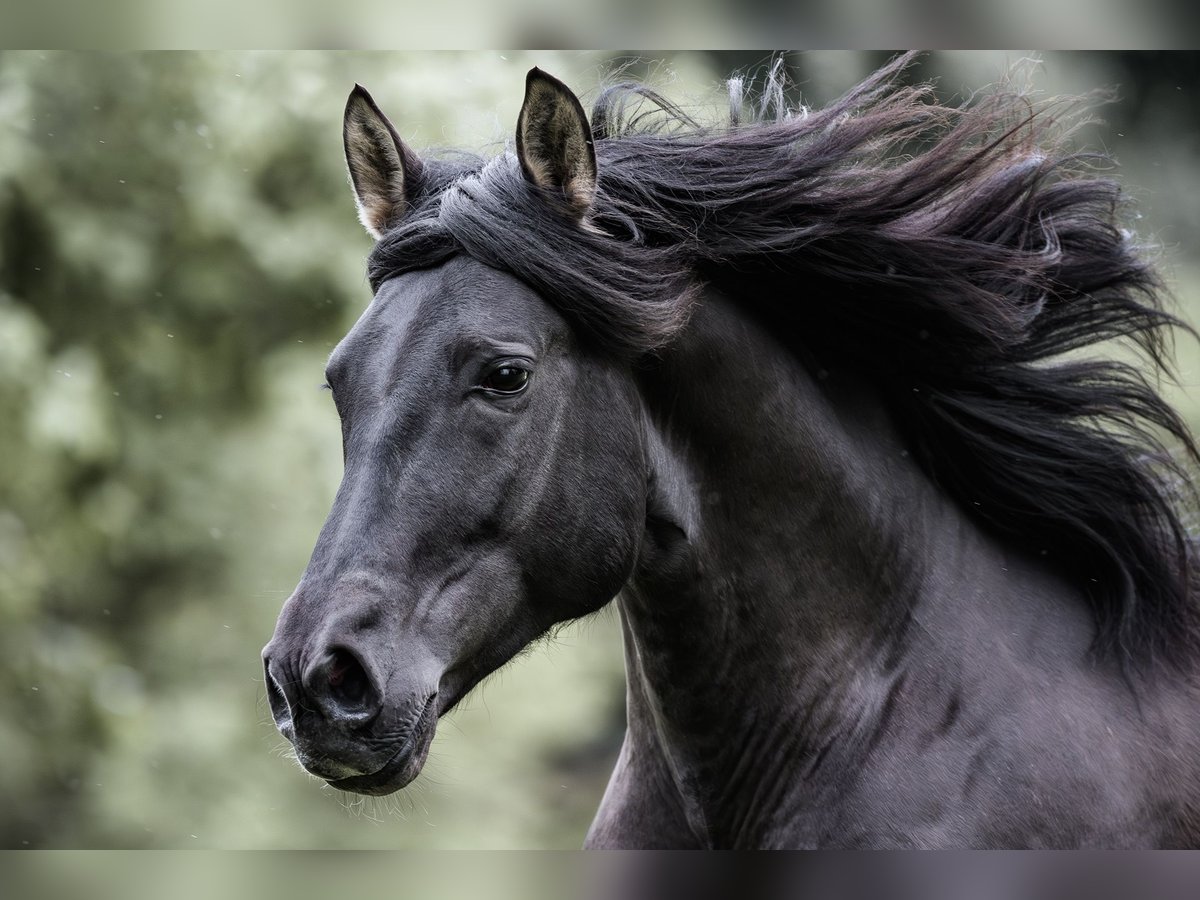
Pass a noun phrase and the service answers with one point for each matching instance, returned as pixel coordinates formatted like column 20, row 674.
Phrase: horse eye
column 506, row 379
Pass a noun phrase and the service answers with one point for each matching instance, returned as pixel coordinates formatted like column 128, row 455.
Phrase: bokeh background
column 179, row 253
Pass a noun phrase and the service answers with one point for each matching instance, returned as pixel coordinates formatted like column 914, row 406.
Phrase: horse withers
column 894, row 568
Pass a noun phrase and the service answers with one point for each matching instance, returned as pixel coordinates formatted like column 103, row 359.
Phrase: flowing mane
column 956, row 256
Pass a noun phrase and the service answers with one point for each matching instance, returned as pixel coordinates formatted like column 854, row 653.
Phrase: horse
column 822, row 398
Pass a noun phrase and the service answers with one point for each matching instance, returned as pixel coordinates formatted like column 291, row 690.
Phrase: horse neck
column 801, row 513
column 789, row 549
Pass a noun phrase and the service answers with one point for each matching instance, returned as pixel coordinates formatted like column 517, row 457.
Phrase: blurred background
column 179, row 252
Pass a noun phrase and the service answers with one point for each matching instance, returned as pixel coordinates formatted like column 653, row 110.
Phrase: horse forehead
column 461, row 300
column 402, row 308
column 461, row 290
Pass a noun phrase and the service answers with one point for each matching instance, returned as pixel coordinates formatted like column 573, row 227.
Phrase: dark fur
column 954, row 254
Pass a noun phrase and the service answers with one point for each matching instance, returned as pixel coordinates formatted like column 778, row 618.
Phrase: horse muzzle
column 336, row 715
column 405, row 762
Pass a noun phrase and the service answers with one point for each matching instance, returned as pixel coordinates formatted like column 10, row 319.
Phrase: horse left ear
column 554, row 142
column 383, row 170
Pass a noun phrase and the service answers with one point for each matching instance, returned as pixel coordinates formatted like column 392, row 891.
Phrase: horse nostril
column 342, row 689
column 347, row 680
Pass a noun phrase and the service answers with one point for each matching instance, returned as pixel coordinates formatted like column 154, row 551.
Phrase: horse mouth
column 403, row 766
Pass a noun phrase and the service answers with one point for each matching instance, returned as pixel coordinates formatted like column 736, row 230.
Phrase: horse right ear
column 383, row 170
column 554, row 143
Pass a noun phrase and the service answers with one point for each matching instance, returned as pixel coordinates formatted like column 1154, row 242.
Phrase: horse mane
column 963, row 257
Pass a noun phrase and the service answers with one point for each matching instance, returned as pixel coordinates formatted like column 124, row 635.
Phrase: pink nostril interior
column 348, row 682
column 338, row 668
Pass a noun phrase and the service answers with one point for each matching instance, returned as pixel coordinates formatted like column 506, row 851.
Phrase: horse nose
column 339, row 686
column 336, row 686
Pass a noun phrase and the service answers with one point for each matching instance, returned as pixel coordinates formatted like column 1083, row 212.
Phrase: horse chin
column 404, row 765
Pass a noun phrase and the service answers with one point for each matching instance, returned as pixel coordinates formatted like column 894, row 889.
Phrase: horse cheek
column 597, row 519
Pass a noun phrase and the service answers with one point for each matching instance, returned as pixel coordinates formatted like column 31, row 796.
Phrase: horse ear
column 554, row 142
column 383, row 170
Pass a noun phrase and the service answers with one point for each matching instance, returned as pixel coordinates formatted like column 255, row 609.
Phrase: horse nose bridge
column 379, row 471
column 359, row 531
column 361, row 553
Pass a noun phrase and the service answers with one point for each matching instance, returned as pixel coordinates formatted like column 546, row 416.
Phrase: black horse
column 895, row 567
